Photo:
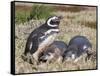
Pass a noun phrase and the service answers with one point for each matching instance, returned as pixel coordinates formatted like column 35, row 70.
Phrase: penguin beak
column 60, row 17
column 44, row 58
column 89, row 50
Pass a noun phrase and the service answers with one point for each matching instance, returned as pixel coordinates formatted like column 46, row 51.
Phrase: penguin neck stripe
column 84, row 47
column 51, row 30
column 48, row 22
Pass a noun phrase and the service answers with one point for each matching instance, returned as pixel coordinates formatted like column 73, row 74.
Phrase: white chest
column 49, row 40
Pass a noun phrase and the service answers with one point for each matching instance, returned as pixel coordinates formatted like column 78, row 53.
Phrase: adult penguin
column 42, row 37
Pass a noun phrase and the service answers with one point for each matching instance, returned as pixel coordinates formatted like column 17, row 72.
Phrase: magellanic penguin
column 77, row 46
column 42, row 37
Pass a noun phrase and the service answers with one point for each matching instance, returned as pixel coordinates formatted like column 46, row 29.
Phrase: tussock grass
column 36, row 11
column 21, row 16
column 40, row 12
column 74, row 23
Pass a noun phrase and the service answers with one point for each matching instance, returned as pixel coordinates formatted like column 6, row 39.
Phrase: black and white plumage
column 78, row 45
column 42, row 37
column 54, row 52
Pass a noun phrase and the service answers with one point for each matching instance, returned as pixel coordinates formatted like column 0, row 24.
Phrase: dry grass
column 74, row 23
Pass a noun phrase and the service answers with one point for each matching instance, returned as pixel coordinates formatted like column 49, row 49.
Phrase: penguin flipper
column 33, row 43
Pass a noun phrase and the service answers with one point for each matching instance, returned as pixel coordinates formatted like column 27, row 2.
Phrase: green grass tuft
column 40, row 12
column 36, row 12
column 21, row 16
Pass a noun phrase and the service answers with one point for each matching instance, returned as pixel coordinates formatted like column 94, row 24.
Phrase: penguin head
column 71, row 52
column 47, row 56
column 53, row 21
